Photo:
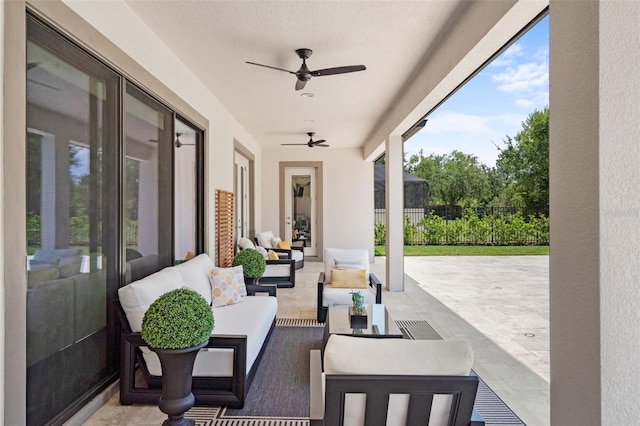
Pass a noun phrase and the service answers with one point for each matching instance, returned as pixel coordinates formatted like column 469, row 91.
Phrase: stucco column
column 595, row 212
column 394, row 196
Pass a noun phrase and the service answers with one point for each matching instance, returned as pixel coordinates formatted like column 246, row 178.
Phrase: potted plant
column 357, row 313
column 253, row 264
column 176, row 326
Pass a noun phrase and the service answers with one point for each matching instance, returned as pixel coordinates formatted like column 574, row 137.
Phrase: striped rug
column 491, row 407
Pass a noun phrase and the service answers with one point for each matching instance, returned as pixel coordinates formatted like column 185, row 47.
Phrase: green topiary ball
column 253, row 264
column 178, row 319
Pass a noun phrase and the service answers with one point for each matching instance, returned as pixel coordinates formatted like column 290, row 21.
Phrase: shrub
column 178, row 319
column 380, row 233
column 253, row 264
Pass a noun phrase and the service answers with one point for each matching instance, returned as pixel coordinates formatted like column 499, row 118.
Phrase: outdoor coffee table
column 379, row 323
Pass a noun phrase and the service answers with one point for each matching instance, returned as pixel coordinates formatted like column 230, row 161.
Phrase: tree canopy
column 524, row 161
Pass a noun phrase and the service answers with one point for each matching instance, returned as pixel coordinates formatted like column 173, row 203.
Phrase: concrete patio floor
column 492, row 302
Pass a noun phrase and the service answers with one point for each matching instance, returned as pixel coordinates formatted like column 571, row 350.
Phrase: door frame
column 319, row 201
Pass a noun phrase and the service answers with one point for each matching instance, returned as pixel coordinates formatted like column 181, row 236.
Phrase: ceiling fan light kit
column 304, row 74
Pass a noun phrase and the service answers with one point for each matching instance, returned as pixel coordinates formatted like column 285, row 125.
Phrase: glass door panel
column 71, row 223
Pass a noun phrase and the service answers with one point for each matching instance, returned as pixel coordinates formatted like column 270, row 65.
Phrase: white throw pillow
column 275, row 241
column 246, row 243
column 263, row 252
column 264, row 239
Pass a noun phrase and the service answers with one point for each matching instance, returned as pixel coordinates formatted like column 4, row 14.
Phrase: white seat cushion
column 277, row 271
column 297, row 255
column 230, row 320
column 246, row 243
column 342, row 296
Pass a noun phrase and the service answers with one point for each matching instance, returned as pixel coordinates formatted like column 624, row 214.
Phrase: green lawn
column 469, row 250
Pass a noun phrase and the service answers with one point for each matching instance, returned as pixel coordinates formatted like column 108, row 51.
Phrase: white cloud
column 456, row 123
column 508, row 56
column 525, row 77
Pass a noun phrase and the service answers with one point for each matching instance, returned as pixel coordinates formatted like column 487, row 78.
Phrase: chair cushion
column 355, row 355
column 356, row 258
column 297, row 255
column 265, row 238
column 246, row 243
column 348, row 278
column 263, row 252
column 342, row 296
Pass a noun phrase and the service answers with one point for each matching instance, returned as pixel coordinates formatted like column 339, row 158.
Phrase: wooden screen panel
column 224, row 227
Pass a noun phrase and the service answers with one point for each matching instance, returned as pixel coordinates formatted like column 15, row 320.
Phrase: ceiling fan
column 311, row 142
column 304, row 74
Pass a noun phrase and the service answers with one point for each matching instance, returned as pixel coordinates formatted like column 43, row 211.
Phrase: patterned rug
column 286, row 358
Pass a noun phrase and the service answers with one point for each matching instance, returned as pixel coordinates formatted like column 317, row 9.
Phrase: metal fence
column 454, row 225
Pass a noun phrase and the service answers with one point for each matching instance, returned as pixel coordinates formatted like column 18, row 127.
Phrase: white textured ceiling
column 215, row 38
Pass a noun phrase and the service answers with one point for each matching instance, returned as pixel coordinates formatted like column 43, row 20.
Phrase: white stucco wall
column 619, row 211
column 595, row 212
column 125, row 29
column 347, row 212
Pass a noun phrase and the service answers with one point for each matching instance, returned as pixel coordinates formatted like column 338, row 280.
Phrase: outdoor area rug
column 279, row 395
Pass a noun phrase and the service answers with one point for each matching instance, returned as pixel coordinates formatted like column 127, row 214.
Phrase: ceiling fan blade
column 42, row 84
column 323, row 145
column 32, row 65
column 300, row 84
column 269, row 66
column 317, row 142
column 338, row 70
column 291, row 144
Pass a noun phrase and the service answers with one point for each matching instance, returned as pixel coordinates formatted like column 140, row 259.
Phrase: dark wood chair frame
column 281, row 282
column 378, row 388
column 287, row 252
column 374, row 283
column 225, row 391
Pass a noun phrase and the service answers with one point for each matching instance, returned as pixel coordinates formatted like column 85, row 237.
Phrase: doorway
column 300, row 218
column 241, row 195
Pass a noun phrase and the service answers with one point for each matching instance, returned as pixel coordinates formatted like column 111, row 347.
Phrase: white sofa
column 394, row 381
column 223, row 370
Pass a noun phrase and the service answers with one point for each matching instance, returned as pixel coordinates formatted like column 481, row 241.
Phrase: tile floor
column 495, row 303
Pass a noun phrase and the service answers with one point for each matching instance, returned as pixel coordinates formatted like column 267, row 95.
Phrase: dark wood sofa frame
column 327, row 408
column 223, row 391
column 374, row 283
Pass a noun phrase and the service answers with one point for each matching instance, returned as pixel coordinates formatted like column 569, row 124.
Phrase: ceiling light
column 309, row 120
column 307, row 95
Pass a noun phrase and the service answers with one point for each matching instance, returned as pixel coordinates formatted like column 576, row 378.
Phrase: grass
column 469, row 250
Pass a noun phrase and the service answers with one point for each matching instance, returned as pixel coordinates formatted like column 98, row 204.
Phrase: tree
column 454, row 179
column 524, row 162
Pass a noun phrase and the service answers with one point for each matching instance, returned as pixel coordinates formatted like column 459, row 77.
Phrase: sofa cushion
column 357, row 258
column 231, row 320
column 284, row 245
column 263, row 252
column 265, row 238
column 136, row 297
column 277, row 270
column 272, row 255
column 195, row 274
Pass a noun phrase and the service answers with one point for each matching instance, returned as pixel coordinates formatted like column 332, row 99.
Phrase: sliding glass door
column 72, row 214
column 100, row 208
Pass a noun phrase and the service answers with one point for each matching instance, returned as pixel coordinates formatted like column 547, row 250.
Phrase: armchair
column 393, row 381
column 281, row 272
column 266, row 240
column 353, row 259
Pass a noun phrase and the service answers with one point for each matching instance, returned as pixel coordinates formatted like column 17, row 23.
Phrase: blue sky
column 493, row 104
